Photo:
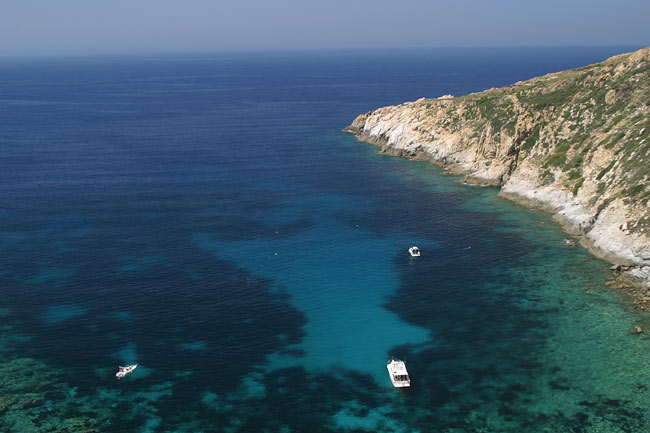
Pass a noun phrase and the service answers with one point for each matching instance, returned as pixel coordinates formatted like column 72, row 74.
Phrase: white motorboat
column 398, row 374
column 124, row 371
column 414, row 251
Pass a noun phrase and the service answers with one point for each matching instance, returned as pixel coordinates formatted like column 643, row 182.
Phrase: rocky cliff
column 574, row 143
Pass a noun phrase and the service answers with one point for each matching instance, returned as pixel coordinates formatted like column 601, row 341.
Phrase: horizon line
column 303, row 50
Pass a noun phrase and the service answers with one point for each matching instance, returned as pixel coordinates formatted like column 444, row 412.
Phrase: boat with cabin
column 125, row 371
column 398, row 374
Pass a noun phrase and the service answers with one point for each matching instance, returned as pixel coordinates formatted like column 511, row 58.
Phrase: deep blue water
column 205, row 217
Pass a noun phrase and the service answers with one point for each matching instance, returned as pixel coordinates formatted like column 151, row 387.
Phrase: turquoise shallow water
column 206, row 218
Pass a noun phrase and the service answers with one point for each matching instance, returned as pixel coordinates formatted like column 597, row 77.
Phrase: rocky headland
column 574, row 143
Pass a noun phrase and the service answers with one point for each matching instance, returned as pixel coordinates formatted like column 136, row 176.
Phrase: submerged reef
column 35, row 399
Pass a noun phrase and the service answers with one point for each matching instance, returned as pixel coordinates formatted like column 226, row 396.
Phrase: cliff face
column 575, row 143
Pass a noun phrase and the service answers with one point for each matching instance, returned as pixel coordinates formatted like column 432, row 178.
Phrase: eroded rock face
column 413, row 129
column 574, row 143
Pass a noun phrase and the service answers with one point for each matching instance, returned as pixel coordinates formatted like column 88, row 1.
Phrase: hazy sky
column 64, row 27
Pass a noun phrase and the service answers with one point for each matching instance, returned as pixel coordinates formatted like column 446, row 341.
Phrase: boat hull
column 125, row 371
column 398, row 374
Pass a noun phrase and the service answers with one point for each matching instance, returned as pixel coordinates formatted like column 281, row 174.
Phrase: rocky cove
column 574, row 143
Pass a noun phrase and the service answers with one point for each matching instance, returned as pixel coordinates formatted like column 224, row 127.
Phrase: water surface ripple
column 206, row 218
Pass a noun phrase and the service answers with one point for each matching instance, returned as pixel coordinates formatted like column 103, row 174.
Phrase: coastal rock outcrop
column 574, row 143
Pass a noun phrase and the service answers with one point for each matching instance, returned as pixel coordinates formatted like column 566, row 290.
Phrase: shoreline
column 627, row 276
column 574, row 144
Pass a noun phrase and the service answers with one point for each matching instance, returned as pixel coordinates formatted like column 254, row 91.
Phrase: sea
column 205, row 217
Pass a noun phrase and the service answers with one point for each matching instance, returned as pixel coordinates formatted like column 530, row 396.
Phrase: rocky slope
column 575, row 143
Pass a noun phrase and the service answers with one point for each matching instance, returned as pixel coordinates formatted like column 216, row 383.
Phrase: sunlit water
column 206, row 218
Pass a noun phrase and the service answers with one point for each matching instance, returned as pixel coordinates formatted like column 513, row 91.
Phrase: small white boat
column 124, row 371
column 414, row 251
column 398, row 374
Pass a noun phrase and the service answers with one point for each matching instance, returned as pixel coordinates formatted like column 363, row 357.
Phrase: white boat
column 398, row 374
column 124, row 371
column 414, row 251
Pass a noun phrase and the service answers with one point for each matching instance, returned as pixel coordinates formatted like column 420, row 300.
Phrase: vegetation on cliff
column 571, row 115
column 576, row 143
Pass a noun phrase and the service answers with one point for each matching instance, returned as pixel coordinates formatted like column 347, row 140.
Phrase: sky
column 74, row 27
